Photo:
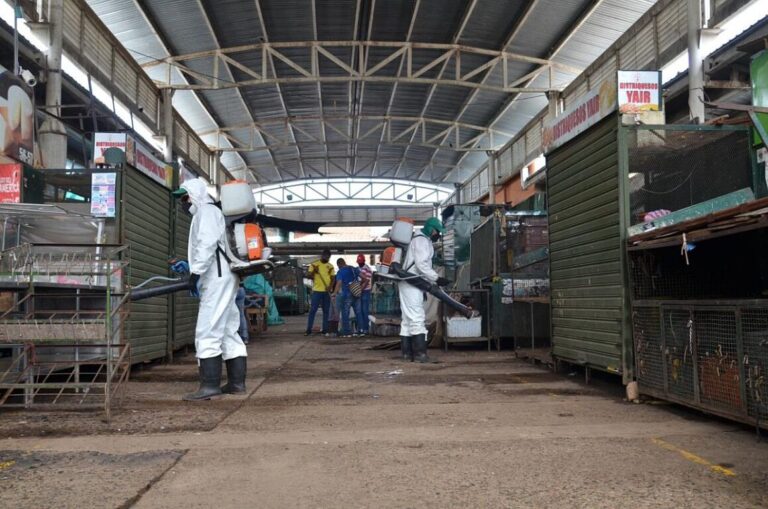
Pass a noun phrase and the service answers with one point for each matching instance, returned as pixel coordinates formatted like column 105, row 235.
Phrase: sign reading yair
column 639, row 91
column 580, row 116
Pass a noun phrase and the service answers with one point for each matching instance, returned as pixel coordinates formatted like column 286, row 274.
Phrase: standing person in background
column 240, row 301
column 344, row 297
column 322, row 274
column 366, row 284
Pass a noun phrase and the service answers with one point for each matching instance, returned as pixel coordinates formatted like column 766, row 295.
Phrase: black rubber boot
column 406, row 348
column 235, row 376
column 420, row 349
column 210, row 378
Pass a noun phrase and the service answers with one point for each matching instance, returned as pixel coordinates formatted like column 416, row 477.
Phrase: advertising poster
column 10, row 183
column 16, row 119
column 639, row 91
column 103, row 141
column 103, row 194
column 583, row 114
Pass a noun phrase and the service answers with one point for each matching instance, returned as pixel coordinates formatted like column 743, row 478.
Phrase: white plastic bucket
column 402, row 231
column 237, row 198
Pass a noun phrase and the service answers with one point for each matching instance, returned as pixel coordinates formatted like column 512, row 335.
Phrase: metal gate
column 590, row 306
column 146, row 228
column 184, row 307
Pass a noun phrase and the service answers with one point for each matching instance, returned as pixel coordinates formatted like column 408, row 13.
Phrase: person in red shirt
column 366, row 284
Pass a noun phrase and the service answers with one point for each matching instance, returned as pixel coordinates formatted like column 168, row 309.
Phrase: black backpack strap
column 219, row 253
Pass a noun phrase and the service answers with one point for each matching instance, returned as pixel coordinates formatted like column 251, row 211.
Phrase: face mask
column 186, row 205
column 435, row 237
column 192, row 209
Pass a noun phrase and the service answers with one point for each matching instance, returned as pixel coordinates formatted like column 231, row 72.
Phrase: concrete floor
column 330, row 423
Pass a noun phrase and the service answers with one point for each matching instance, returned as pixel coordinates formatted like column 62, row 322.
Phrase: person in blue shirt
column 344, row 297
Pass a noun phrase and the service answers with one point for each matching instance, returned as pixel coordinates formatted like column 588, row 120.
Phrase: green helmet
column 432, row 225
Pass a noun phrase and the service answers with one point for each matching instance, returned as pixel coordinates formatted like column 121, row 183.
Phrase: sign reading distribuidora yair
column 639, row 91
column 585, row 112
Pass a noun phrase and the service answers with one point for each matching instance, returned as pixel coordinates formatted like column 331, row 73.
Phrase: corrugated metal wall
column 589, row 300
column 147, row 230
column 184, row 306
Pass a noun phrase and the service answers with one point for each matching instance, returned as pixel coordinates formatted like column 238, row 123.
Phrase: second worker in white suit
column 218, row 320
column 418, row 260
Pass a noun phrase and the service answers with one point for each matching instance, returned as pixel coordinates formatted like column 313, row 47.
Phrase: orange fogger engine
column 249, row 240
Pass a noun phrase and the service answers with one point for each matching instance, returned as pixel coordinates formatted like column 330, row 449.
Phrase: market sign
column 580, row 116
column 104, row 141
column 639, row 91
column 10, row 183
column 151, row 166
column 16, row 119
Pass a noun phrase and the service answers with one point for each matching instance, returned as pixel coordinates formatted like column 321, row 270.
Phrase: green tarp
column 258, row 284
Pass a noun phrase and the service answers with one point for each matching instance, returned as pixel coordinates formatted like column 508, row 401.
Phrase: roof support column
column 554, row 103
column 695, row 64
column 492, row 177
column 166, row 123
column 53, row 134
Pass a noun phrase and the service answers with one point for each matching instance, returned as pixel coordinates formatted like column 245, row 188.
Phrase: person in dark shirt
column 345, row 298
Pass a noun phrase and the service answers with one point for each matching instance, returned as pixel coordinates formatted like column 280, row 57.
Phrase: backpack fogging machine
column 245, row 251
column 391, row 267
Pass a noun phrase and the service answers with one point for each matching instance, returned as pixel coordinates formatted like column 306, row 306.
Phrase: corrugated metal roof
column 300, row 142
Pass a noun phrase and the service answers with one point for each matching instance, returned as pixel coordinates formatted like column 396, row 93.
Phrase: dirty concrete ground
column 330, row 423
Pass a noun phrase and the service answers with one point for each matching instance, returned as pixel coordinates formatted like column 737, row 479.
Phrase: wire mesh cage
column 671, row 167
column 707, row 355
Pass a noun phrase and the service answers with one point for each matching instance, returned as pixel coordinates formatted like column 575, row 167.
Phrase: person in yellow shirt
column 322, row 273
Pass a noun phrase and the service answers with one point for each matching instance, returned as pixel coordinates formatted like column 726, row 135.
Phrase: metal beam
column 583, row 17
column 322, row 190
column 320, row 49
column 269, row 55
column 392, row 95
column 369, row 159
column 141, row 8
column 456, row 38
column 287, row 144
column 379, row 119
column 227, row 63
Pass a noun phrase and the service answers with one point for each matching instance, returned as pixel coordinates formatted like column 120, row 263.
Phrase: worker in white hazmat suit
column 218, row 320
column 418, row 260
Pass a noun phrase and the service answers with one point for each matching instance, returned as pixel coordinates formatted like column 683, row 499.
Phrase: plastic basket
column 460, row 327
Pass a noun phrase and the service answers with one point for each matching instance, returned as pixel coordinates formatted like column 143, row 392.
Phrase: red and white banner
column 10, row 183
column 639, row 91
column 151, row 166
column 580, row 116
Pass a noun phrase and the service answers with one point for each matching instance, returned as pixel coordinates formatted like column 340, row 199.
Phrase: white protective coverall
column 218, row 319
column 418, row 260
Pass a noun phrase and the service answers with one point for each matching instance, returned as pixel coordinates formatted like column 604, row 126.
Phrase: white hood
column 197, row 189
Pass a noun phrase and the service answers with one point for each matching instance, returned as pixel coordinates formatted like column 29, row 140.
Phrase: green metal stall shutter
column 586, row 251
column 147, row 230
column 184, row 306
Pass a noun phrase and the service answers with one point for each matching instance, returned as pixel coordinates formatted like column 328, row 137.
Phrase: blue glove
column 180, row 267
column 194, row 285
